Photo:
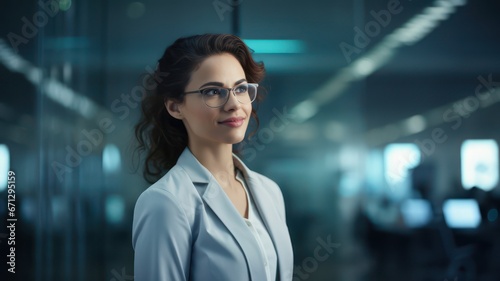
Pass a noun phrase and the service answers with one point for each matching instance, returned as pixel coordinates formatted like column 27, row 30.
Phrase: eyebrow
column 222, row 84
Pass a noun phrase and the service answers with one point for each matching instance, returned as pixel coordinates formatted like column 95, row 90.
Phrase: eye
column 241, row 89
column 211, row 92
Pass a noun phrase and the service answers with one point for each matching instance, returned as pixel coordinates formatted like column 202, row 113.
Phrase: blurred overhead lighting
column 300, row 132
column 363, row 67
column 52, row 88
column 410, row 33
column 275, row 46
column 415, row 124
column 304, row 110
column 432, row 118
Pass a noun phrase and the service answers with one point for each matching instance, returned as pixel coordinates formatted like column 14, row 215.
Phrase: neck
column 218, row 159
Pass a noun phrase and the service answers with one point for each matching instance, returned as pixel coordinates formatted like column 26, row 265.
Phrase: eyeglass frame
column 227, row 98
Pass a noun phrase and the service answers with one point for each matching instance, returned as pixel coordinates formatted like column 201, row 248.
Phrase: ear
column 173, row 109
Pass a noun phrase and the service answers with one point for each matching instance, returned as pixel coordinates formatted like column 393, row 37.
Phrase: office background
column 380, row 124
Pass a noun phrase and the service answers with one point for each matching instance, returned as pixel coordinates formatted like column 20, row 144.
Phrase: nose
column 232, row 102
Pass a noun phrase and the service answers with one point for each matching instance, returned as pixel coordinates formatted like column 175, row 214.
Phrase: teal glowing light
column 111, row 158
column 115, row 209
column 269, row 46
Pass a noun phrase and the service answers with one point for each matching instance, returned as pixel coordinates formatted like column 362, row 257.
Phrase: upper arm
column 161, row 238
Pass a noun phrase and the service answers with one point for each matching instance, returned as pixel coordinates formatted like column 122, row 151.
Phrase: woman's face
column 211, row 125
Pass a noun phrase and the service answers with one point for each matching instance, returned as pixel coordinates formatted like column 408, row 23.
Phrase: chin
column 233, row 138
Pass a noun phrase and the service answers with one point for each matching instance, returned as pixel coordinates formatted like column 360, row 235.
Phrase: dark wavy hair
column 160, row 136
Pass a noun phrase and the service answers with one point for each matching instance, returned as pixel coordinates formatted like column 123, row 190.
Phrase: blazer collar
column 197, row 172
column 215, row 197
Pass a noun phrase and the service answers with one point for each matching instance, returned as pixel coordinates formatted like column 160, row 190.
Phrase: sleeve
column 161, row 237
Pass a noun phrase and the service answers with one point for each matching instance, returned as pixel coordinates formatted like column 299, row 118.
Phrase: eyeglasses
column 218, row 96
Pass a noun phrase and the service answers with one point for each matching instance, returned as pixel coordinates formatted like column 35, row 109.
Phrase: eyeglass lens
column 215, row 96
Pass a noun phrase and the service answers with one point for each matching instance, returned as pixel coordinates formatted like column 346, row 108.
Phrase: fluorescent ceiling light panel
column 275, row 46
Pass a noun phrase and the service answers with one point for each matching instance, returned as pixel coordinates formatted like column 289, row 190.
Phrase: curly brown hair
column 162, row 137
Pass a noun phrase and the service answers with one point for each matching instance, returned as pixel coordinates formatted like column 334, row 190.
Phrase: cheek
column 201, row 115
column 248, row 110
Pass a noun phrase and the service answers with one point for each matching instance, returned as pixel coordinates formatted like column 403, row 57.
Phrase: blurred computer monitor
column 461, row 213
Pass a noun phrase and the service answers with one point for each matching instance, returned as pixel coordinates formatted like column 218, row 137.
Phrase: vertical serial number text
column 11, row 221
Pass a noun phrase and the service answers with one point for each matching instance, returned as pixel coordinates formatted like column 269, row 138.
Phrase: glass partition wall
column 72, row 218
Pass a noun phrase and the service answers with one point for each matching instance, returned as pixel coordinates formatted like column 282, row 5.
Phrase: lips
column 233, row 121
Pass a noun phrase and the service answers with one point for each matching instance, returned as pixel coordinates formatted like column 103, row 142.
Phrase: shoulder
column 175, row 185
column 172, row 196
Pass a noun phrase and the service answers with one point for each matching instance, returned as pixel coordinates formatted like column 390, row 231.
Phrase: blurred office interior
column 380, row 124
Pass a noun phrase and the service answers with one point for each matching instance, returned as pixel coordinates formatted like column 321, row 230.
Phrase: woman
column 209, row 217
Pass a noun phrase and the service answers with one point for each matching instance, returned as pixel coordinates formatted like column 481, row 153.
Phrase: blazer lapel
column 216, row 199
column 271, row 217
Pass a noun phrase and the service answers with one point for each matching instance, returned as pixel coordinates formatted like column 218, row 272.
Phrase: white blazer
column 186, row 228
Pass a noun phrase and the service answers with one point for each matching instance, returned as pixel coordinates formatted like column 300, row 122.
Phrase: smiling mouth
column 233, row 122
